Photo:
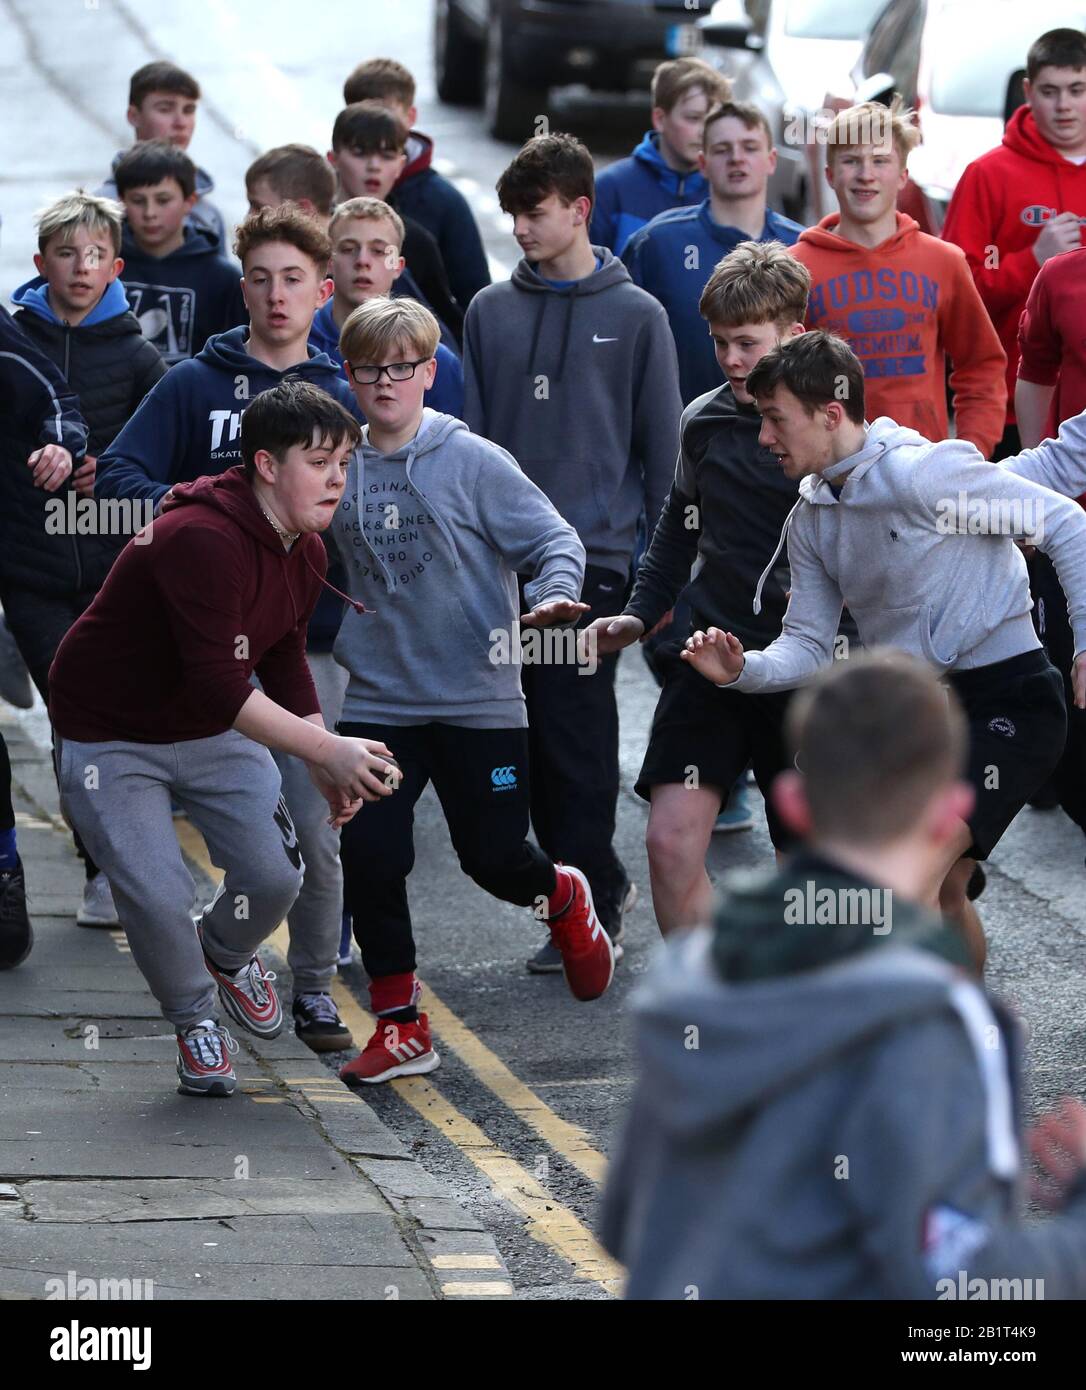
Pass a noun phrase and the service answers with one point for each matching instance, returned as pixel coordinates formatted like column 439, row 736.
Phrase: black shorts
column 1017, row 729
column 717, row 732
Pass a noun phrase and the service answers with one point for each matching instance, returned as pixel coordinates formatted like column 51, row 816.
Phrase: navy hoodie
column 422, row 193
column 184, row 298
column 632, row 191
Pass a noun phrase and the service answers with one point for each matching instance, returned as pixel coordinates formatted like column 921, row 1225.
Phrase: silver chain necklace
column 288, row 536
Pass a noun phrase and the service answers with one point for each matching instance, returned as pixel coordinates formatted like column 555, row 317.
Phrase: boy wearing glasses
column 434, row 527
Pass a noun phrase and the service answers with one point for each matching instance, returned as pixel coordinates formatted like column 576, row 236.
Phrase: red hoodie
column 903, row 307
column 165, row 652
column 1051, row 336
column 999, row 207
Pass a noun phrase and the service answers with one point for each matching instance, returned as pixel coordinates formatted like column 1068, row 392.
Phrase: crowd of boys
column 354, row 476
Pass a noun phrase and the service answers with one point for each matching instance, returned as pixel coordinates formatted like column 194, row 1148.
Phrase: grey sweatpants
column 117, row 795
column 315, row 918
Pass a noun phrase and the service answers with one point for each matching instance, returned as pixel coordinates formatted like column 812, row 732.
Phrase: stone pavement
column 291, row 1188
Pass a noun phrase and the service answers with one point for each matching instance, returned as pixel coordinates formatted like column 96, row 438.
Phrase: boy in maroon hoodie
column 1022, row 203
column 151, row 700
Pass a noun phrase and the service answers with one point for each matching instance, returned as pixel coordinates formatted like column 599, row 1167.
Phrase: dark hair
column 547, row 164
column 380, row 78
column 875, row 737
column 287, row 223
column 296, row 172
column 289, row 413
column 818, row 368
column 751, row 117
column 161, row 77
column 149, row 162
column 1059, row 48
column 367, row 125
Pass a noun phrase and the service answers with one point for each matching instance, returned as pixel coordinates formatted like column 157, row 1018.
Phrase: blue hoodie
column 659, row 259
column 184, row 298
column 445, row 396
column 632, row 191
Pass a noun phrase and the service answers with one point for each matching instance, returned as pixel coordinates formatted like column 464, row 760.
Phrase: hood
column 883, row 435
column 795, row 1000
column 420, row 153
column 226, row 353
column 611, row 272
column 228, row 492
column 1023, row 137
column 647, row 154
column 433, row 433
column 34, row 297
column 825, row 237
column 204, row 182
column 199, row 241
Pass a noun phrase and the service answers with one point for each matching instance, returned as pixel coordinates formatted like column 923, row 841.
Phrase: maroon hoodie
column 165, row 652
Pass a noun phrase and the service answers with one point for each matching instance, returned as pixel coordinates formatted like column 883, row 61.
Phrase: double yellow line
column 548, row 1221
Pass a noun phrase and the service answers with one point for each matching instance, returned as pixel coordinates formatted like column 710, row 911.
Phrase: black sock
column 408, row 1015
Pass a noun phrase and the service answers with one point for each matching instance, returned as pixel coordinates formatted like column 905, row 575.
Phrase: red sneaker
column 396, row 1049
column 588, row 957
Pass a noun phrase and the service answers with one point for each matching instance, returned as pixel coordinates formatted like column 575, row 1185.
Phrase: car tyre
column 458, row 58
column 511, row 107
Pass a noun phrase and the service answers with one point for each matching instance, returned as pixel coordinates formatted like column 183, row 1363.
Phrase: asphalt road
column 269, row 78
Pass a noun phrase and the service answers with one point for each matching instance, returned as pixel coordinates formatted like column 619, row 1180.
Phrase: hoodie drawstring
column 356, row 604
column 773, row 558
column 570, row 297
column 536, row 331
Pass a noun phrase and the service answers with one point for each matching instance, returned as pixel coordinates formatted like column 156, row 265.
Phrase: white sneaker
column 97, row 909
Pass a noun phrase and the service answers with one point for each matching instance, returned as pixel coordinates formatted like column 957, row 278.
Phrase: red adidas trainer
column 588, row 958
column 396, row 1049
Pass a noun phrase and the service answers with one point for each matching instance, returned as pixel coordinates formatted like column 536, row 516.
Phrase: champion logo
column 1036, row 215
column 597, row 339
column 504, row 778
column 1002, row 725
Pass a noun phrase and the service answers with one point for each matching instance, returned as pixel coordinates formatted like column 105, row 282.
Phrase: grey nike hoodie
column 432, row 647
column 824, row 1113
column 580, row 383
column 916, row 541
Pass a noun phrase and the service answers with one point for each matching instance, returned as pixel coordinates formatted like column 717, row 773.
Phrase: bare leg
column 947, row 894
column 677, row 838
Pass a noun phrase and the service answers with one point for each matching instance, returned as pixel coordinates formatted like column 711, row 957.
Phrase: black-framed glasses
column 397, row 371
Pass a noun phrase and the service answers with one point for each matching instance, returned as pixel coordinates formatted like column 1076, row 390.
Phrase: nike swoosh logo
column 597, row 339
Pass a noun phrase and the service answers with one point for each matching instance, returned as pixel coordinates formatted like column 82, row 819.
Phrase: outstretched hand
column 716, row 655
column 559, row 610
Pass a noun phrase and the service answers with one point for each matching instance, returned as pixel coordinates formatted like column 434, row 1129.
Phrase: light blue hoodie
column 918, row 544
column 470, row 521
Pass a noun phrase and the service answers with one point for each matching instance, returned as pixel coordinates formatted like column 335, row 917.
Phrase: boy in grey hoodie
column 434, row 527
column 572, row 368
column 882, row 1157
column 916, row 538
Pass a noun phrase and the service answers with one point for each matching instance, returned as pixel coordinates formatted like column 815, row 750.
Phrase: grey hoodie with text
column 443, row 589
column 837, row 1126
column 581, row 384
column 917, row 543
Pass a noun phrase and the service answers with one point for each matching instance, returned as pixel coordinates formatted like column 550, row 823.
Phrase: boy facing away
column 151, row 701
column 729, row 1178
column 435, row 525
column 162, row 105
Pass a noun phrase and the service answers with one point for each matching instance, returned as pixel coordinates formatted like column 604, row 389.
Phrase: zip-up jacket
column 634, row 190
column 427, row 196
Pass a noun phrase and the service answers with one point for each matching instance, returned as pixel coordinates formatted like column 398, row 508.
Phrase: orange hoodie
column 999, row 208
column 903, row 307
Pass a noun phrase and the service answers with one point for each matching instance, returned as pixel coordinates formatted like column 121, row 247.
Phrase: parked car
column 793, row 60
column 963, row 78
column 508, row 53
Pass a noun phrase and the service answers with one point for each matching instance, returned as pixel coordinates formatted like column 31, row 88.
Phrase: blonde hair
column 379, row 326
column 871, row 123
column 79, row 209
column 758, row 282
column 367, row 210
column 673, row 79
